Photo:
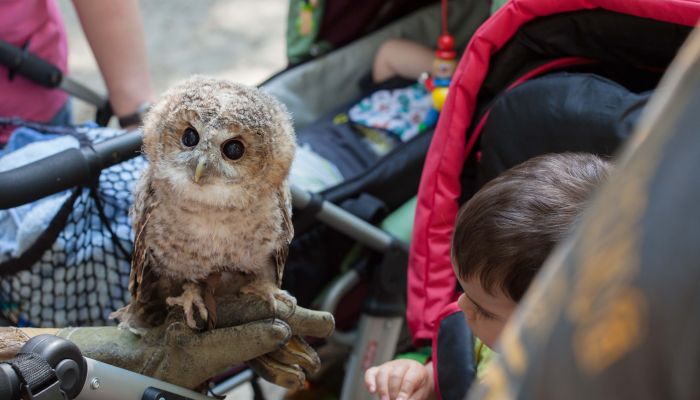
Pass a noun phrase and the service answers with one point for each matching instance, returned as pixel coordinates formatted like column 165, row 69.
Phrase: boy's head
column 504, row 233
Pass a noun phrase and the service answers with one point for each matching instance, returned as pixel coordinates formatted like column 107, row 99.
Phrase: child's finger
column 395, row 379
column 383, row 383
column 420, row 394
column 412, row 382
column 371, row 379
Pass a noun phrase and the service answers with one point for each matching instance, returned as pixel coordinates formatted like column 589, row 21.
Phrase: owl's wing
column 282, row 250
column 144, row 281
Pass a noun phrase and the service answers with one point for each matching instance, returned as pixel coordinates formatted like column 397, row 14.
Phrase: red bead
column 446, row 42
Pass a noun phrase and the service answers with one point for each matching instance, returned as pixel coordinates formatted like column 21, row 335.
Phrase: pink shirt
column 40, row 23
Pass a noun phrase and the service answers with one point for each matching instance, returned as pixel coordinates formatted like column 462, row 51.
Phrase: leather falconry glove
column 247, row 330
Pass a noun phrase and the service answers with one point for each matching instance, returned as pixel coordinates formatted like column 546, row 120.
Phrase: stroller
column 539, row 76
column 392, row 181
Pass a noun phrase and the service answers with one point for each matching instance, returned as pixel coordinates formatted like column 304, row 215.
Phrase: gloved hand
column 246, row 331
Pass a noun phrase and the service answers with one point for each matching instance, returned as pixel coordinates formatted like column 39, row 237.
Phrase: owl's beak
column 201, row 166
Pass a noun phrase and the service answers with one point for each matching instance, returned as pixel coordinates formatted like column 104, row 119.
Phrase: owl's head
column 219, row 142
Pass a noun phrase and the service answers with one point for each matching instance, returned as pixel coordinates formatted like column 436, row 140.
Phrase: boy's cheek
column 489, row 334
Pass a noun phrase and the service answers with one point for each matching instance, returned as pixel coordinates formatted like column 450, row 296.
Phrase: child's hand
column 400, row 380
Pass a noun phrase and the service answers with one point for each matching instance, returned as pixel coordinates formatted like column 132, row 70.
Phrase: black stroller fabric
column 455, row 357
column 619, row 43
column 557, row 113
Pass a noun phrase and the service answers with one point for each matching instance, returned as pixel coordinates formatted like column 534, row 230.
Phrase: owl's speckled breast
column 202, row 239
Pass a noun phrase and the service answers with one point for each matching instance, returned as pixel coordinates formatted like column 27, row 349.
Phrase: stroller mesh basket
column 79, row 266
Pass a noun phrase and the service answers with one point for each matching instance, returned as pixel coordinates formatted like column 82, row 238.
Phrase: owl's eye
column 233, row 149
column 190, row 138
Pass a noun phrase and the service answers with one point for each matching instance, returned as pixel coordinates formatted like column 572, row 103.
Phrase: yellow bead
column 439, row 96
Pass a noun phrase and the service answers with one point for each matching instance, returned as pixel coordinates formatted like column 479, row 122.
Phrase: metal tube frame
column 107, row 382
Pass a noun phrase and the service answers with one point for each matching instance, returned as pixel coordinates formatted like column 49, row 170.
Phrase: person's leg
column 401, row 57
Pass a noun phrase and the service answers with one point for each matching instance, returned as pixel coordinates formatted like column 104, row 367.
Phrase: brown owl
column 213, row 202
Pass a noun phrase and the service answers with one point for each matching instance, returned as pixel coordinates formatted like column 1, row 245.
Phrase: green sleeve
column 483, row 356
column 422, row 355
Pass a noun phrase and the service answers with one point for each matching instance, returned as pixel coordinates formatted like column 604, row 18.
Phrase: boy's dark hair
column 505, row 232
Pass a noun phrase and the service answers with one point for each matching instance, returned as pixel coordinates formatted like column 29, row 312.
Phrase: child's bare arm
column 401, row 57
column 401, row 380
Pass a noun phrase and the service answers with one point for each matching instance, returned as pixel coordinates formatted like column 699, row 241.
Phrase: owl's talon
column 190, row 320
column 265, row 294
column 202, row 308
column 289, row 300
column 190, row 297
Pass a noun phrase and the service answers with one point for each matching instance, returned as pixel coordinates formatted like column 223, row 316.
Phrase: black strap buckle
column 37, row 378
column 53, row 392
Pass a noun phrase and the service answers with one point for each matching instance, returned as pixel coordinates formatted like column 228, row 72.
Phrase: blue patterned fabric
column 400, row 111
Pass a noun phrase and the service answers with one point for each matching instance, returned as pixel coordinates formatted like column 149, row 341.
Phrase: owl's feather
column 282, row 251
column 144, row 281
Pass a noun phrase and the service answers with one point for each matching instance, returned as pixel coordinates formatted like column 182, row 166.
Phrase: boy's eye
column 483, row 314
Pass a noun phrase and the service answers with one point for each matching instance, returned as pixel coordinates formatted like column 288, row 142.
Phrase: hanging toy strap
column 444, row 17
column 445, row 42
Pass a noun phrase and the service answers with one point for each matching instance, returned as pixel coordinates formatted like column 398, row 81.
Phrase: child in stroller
column 503, row 235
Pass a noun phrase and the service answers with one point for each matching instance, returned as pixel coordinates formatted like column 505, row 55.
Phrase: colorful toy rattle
column 444, row 65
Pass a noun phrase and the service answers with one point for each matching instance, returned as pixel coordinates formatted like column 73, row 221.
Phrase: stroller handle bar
column 65, row 170
column 20, row 61
column 348, row 223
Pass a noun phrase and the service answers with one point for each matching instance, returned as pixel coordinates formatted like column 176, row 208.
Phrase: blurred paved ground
column 241, row 40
